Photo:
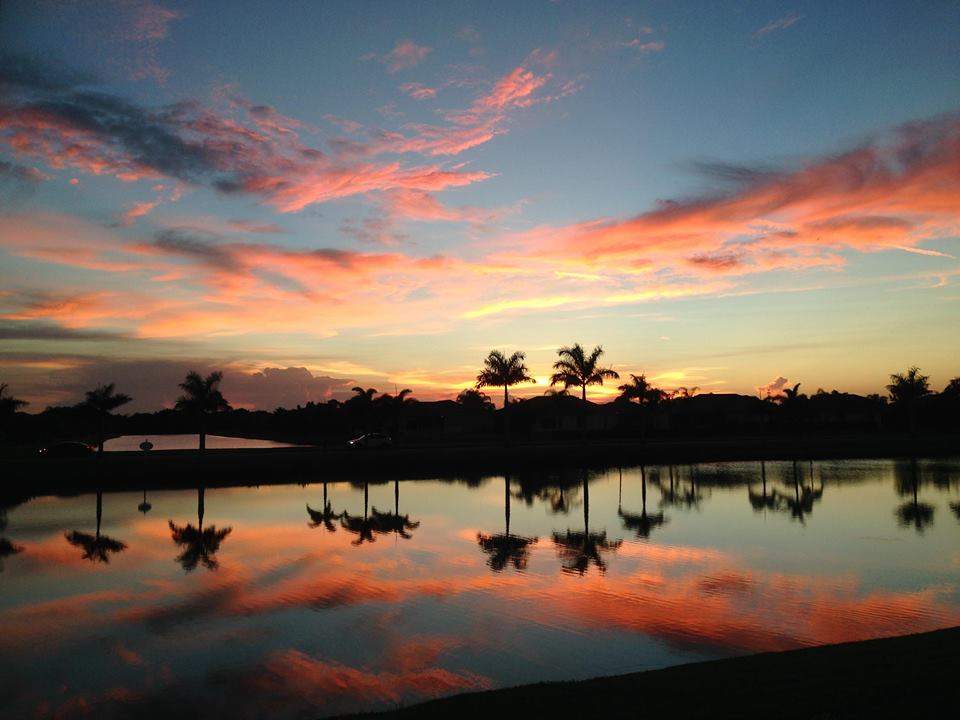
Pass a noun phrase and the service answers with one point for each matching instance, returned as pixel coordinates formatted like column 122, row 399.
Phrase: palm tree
column 202, row 397
column 644, row 393
column 323, row 517
column 502, row 371
column 906, row 390
column 577, row 550
column 103, row 400
column 577, row 369
column 363, row 395
column 9, row 404
column 474, row 399
column 362, row 400
column 395, row 405
column 506, row 548
column 200, row 545
column 97, row 547
column 643, row 523
column 144, row 507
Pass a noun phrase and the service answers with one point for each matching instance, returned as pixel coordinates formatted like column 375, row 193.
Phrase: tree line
column 574, row 371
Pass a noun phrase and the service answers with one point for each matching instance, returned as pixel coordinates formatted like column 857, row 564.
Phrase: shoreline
column 911, row 676
column 264, row 466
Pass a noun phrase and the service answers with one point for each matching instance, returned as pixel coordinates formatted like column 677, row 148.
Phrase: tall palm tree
column 502, row 371
column 394, row 405
column 103, row 400
column 200, row 545
column 202, row 397
column 577, row 550
column 323, row 517
column 9, row 404
column 362, row 400
column 96, row 548
column 506, row 548
column 645, row 394
column 577, row 369
column 906, row 390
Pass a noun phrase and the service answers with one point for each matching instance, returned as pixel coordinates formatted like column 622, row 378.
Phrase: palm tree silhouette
column 103, row 400
column 906, row 390
column 202, row 397
column 200, row 545
column 323, row 517
column 643, row 523
column 363, row 399
column 394, row 405
column 913, row 512
column 577, row 550
column 577, row 369
column 363, row 527
column 502, row 371
column 506, row 548
column 645, row 394
column 9, row 405
column 97, row 547
column 387, row 522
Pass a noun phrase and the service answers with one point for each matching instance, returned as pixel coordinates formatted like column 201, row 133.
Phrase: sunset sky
column 316, row 195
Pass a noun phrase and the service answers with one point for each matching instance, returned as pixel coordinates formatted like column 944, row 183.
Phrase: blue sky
column 318, row 221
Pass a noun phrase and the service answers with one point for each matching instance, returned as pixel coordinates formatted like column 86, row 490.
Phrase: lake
column 271, row 602
column 187, row 442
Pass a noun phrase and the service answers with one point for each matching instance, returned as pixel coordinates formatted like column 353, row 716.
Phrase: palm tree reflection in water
column 323, row 517
column 387, row 522
column 643, row 523
column 913, row 512
column 7, row 548
column 363, row 527
column 96, row 548
column 504, row 549
column 200, row 545
column 577, row 550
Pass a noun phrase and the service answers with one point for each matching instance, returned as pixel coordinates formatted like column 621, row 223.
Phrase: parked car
column 371, row 440
column 68, row 449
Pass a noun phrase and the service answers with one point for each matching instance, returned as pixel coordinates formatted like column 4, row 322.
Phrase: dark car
column 68, row 449
column 371, row 440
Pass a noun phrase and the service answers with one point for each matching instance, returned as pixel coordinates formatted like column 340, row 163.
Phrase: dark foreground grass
column 914, row 676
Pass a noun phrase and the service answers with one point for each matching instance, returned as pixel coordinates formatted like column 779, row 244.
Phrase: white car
column 371, row 440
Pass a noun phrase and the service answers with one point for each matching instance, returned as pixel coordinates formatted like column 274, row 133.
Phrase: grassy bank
column 914, row 676
column 171, row 469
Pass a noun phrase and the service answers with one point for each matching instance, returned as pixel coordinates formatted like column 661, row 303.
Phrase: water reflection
column 200, row 545
column 7, row 548
column 578, row 550
column 299, row 622
column 144, row 506
column 506, row 548
column 96, row 547
column 642, row 523
column 913, row 512
column 323, row 518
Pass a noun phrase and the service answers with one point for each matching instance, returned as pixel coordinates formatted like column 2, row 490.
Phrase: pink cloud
column 419, row 91
column 405, row 55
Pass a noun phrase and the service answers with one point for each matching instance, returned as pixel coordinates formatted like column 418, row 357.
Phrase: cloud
column 778, row 24
column 49, row 331
column 256, row 150
column 405, row 55
column 419, row 91
column 774, row 387
column 893, row 191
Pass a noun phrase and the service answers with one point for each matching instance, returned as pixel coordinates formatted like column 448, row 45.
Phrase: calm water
column 187, row 442
column 239, row 602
